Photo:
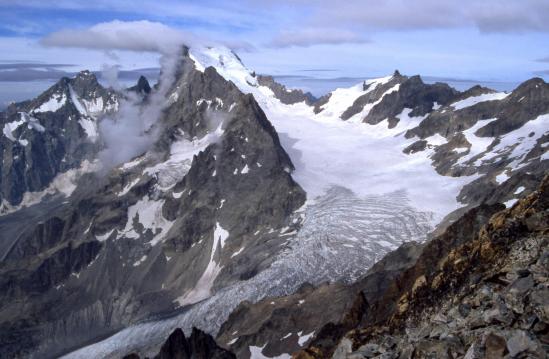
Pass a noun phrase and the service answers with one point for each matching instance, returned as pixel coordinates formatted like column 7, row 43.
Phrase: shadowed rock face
column 470, row 292
column 142, row 86
column 198, row 346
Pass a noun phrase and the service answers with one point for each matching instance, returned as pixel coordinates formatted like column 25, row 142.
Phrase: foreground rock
column 199, row 345
column 485, row 296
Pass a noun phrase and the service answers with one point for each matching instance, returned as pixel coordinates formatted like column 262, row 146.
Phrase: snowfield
column 473, row 100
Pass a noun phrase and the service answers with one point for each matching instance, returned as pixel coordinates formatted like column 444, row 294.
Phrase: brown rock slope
column 471, row 294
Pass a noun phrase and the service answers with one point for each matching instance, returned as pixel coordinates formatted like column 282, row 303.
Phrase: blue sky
column 499, row 40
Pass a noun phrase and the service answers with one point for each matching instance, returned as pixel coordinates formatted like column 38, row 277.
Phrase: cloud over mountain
column 123, row 35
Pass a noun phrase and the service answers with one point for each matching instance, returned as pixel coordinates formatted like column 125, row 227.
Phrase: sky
column 477, row 40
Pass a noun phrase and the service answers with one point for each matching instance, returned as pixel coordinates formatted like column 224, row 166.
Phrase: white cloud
column 121, row 35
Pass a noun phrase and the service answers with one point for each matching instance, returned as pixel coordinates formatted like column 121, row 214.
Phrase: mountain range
column 275, row 222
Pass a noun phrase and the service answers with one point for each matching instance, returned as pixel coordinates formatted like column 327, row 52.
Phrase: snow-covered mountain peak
column 246, row 190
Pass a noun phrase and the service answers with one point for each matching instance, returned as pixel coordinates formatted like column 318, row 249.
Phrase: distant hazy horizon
column 17, row 91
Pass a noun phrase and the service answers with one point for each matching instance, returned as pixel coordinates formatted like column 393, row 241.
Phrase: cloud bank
column 123, row 35
column 134, row 128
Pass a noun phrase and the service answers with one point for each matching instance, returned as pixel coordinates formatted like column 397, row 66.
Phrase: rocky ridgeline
column 283, row 94
column 470, row 294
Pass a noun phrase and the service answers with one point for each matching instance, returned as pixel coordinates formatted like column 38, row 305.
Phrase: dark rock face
column 412, row 94
column 321, row 102
column 88, row 268
column 472, row 293
column 283, row 94
column 198, row 346
column 525, row 103
column 142, row 87
column 372, row 96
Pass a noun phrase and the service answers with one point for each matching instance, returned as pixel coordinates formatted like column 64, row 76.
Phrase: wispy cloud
column 316, row 36
column 138, row 36
column 30, row 65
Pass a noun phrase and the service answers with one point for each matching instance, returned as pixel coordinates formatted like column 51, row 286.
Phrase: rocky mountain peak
column 84, row 82
column 398, row 75
column 535, row 89
column 142, row 86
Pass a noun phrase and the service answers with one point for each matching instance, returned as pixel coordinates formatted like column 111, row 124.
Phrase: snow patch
column 54, row 103
column 473, row 100
column 140, row 260
column 232, row 341
column 179, row 162
column 148, row 213
column 128, row 187
column 32, row 124
column 89, row 126
column 105, row 236
column 237, row 252
column 220, row 234
column 64, row 184
column 518, row 143
column 502, row 177
column 12, row 126
column 304, row 338
column 478, row 144
column 203, row 287
column 257, row 353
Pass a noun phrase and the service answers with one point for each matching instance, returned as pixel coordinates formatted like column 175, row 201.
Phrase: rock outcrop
column 283, row 94
column 471, row 294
